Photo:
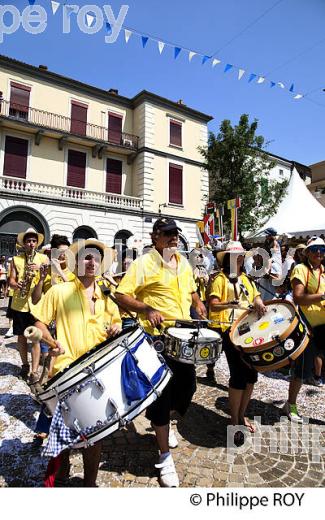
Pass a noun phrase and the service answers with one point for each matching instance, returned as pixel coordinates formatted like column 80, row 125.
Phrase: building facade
column 317, row 186
column 85, row 162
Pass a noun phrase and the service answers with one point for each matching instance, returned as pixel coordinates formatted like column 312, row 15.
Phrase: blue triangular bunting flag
column 228, row 67
column 273, row 84
column 205, row 59
column 251, row 77
column 108, row 27
column 177, row 50
column 292, row 87
column 144, row 40
column 31, row 2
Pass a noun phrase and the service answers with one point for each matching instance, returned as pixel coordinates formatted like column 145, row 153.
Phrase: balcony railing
column 17, row 186
column 51, row 121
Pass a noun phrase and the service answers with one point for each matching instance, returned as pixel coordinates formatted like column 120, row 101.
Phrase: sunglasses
column 170, row 233
column 315, row 249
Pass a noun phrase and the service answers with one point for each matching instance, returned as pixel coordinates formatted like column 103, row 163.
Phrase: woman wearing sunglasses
column 308, row 286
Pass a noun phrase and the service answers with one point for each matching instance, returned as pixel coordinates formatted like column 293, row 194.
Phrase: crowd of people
column 59, row 289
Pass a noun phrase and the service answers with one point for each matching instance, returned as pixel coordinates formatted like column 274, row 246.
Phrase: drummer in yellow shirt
column 231, row 291
column 308, row 287
column 159, row 286
column 84, row 318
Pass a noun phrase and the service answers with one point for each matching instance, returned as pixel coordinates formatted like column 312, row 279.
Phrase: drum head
column 201, row 335
column 251, row 331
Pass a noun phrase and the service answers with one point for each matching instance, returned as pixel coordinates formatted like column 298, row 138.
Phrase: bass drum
column 272, row 341
column 108, row 386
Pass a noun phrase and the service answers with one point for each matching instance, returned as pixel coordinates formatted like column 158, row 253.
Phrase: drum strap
column 319, row 277
column 108, row 294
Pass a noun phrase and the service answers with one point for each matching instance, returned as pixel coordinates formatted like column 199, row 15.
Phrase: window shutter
column 15, row 162
column 76, row 169
column 114, row 129
column 175, row 184
column 78, row 118
column 176, row 133
column 114, row 176
column 19, row 99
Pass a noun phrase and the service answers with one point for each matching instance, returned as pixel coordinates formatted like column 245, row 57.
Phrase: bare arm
column 128, row 302
column 13, row 277
column 216, row 305
column 199, row 305
column 300, row 297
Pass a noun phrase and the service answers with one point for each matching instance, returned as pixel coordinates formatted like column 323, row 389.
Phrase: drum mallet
column 35, row 335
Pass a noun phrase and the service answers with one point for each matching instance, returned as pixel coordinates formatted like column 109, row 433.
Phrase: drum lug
column 64, row 406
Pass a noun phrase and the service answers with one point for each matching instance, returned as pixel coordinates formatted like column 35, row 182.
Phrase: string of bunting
column 204, row 58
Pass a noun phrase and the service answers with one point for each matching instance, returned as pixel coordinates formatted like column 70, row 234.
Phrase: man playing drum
column 308, row 287
column 231, row 292
column 84, row 318
column 160, row 287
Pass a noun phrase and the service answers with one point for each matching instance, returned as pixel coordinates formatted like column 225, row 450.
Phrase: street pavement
column 277, row 455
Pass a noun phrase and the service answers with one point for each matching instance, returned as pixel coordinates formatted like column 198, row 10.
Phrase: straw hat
column 233, row 246
column 77, row 246
column 301, row 246
column 29, row 231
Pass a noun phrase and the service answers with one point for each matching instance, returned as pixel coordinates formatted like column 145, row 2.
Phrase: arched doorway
column 16, row 219
column 120, row 246
column 84, row 232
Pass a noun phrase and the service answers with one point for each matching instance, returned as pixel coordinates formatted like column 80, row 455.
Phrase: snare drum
column 108, row 386
column 272, row 341
column 194, row 346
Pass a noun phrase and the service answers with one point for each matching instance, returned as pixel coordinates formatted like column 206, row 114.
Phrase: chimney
column 113, row 91
column 181, row 102
column 42, row 67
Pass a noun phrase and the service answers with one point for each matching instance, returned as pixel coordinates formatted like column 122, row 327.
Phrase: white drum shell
column 94, row 403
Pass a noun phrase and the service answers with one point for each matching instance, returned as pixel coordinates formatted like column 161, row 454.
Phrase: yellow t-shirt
column 314, row 283
column 222, row 289
column 150, row 280
column 53, row 279
column 76, row 328
column 19, row 303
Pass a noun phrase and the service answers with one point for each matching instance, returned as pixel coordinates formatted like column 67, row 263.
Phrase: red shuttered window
column 175, row 133
column 175, row 184
column 114, row 128
column 15, row 161
column 76, row 169
column 19, row 100
column 114, row 176
column 78, row 118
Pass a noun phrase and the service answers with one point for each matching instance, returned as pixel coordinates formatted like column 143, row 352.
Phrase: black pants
column 240, row 373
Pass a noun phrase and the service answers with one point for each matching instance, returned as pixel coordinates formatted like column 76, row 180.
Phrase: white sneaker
column 168, row 475
column 291, row 412
column 9, row 333
column 172, row 439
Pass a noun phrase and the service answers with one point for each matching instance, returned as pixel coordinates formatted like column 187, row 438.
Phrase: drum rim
column 87, row 354
column 208, row 340
column 273, row 342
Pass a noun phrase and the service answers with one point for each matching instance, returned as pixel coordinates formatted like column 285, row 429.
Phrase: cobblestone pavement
column 284, row 457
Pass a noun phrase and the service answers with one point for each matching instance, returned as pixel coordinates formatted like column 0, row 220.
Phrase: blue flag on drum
column 136, row 385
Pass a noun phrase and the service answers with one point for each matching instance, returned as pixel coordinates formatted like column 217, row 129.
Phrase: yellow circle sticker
column 264, row 325
column 301, row 327
column 268, row 356
column 204, row 352
column 248, row 341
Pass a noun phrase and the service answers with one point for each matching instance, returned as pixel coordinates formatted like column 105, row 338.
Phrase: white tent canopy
column 299, row 213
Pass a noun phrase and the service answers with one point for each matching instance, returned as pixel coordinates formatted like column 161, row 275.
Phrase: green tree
column 239, row 166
